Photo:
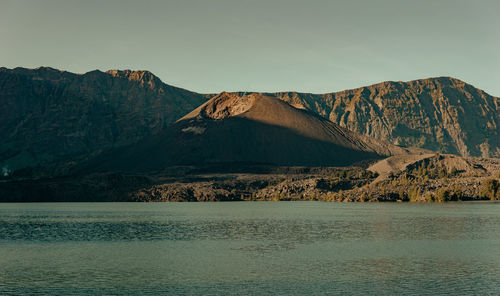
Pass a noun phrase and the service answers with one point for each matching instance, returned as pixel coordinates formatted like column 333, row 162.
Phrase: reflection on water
column 250, row 248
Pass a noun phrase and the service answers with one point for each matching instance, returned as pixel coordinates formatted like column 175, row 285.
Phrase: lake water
column 256, row 248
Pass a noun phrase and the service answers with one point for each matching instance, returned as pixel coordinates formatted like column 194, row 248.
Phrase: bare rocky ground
column 418, row 178
column 422, row 178
column 302, row 184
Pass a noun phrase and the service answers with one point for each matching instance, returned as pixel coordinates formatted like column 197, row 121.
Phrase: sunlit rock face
column 441, row 114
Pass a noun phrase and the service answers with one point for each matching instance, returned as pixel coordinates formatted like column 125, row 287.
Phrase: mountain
column 441, row 114
column 50, row 116
column 250, row 129
column 54, row 120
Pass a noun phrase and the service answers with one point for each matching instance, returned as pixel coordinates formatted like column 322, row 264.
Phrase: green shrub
column 340, row 196
column 414, row 194
column 489, row 189
column 458, row 193
column 442, row 195
column 403, row 196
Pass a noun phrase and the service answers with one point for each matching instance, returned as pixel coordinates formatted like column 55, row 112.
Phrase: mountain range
column 56, row 120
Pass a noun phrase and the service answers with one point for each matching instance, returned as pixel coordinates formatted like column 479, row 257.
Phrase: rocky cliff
column 441, row 114
column 50, row 116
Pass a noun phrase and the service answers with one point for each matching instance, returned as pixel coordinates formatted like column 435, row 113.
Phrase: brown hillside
column 249, row 129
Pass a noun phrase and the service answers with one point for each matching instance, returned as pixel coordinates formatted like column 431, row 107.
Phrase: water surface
column 264, row 248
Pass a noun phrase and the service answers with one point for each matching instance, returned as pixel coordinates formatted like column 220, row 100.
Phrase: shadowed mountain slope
column 51, row 116
column 248, row 129
column 441, row 114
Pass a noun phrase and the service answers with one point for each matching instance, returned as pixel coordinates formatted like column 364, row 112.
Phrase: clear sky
column 254, row 45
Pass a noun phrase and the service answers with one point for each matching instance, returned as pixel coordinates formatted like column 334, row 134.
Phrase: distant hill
column 253, row 129
column 48, row 116
column 441, row 114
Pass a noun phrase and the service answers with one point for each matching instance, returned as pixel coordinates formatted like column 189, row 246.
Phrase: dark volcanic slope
column 50, row 115
column 248, row 129
column 441, row 114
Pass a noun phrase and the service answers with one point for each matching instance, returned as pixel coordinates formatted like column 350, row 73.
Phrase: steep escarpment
column 441, row 114
column 56, row 117
column 252, row 129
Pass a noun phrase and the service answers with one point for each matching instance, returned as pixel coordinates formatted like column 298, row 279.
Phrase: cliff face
column 441, row 114
column 49, row 115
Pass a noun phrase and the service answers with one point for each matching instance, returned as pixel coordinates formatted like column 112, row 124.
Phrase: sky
column 211, row 46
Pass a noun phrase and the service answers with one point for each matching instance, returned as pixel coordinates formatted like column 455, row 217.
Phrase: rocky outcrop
column 441, row 114
column 56, row 117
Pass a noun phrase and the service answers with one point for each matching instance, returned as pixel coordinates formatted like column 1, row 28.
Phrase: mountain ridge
column 51, row 116
column 54, row 118
column 462, row 119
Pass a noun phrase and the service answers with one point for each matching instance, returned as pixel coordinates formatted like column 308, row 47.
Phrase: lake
column 256, row 248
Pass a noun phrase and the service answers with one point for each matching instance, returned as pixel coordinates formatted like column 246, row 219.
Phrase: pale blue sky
column 211, row 46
